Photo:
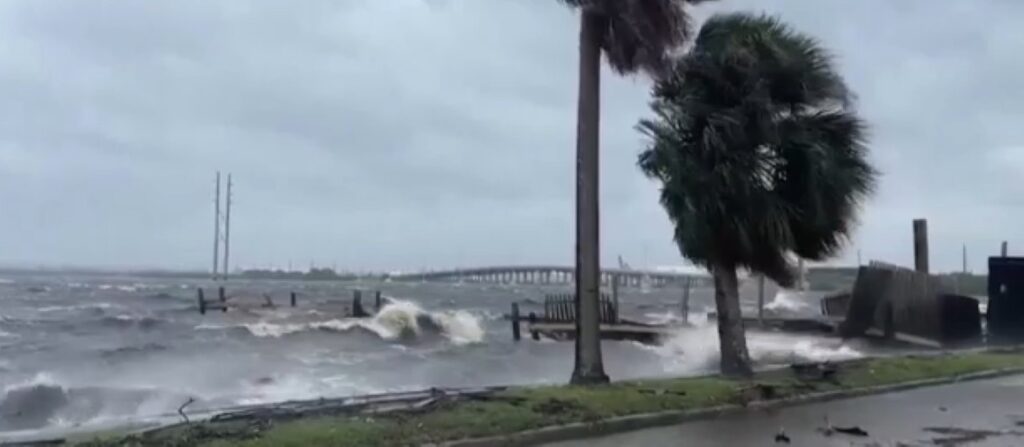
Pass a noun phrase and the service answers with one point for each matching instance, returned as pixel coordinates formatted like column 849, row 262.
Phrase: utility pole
column 965, row 259
column 216, row 225
column 921, row 245
column 227, row 229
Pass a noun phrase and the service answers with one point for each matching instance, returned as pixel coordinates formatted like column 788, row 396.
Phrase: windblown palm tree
column 634, row 35
column 760, row 157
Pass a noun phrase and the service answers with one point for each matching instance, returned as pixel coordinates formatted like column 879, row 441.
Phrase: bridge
column 551, row 274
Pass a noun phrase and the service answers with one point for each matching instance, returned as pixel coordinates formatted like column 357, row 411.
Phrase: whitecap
column 397, row 320
column 787, row 300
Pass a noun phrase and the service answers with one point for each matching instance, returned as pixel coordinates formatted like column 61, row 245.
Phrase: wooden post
column 533, row 332
column 357, row 304
column 921, row 245
column 223, row 299
column 1003, row 250
column 293, row 299
column 686, row 299
column 202, row 301
column 376, row 302
column 760, row 299
column 615, row 297
column 516, row 335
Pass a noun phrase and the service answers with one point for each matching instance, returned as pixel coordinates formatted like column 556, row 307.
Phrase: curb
column 621, row 424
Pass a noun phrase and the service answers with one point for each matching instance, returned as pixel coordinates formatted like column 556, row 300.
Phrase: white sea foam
column 44, row 378
column 73, row 307
column 397, row 320
column 696, row 349
column 787, row 300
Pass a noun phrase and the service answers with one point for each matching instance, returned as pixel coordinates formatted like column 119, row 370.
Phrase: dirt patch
column 557, row 406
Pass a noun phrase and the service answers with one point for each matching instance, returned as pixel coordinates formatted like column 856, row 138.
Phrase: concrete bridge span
column 551, row 274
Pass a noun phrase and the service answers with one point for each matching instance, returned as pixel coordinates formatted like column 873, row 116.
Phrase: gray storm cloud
column 405, row 134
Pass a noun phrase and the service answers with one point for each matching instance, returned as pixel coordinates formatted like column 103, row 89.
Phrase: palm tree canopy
column 757, row 148
column 638, row 34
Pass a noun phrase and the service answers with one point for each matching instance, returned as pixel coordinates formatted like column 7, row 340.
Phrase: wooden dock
column 559, row 322
column 824, row 324
column 609, row 331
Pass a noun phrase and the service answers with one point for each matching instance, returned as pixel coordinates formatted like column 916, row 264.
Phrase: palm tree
column 760, row 156
column 634, row 35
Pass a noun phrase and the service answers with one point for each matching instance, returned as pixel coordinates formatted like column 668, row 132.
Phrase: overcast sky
column 401, row 134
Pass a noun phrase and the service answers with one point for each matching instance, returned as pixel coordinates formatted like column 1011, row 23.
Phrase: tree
column 634, row 35
column 760, row 156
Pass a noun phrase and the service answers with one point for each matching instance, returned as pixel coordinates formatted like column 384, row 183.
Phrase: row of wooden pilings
column 221, row 303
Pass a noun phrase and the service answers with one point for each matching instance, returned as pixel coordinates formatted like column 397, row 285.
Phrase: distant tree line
column 314, row 274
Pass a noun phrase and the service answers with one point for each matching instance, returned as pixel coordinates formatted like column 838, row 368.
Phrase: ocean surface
column 86, row 352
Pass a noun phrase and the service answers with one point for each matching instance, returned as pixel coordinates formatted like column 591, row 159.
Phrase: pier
column 251, row 301
column 558, row 322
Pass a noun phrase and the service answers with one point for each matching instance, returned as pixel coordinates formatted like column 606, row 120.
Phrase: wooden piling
column 533, row 321
column 376, row 302
column 1003, row 250
column 515, row 322
column 223, row 299
column 921, row 245
column 686, row 299
column 760, row 300
column 293, row 299
column 202, row 301
column 615, row 294
column 357, row 304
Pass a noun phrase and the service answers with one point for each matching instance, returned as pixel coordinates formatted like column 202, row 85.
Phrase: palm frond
column 757, row 148
column 640, row 34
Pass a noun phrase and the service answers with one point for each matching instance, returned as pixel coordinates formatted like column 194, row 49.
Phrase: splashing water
column 695, row 350
column 787, row 300
column 397, row 320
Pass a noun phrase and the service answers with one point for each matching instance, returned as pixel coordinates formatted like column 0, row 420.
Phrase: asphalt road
column 988, row 413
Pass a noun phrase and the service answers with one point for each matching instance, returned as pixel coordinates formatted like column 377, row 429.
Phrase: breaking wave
column 787, row 300
column 133, row 321
column 42, row 401
column 396, row 321
column 92, row 307
column 696, row 349
column 132, row 351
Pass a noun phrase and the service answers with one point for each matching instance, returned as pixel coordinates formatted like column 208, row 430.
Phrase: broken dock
column 558, row 322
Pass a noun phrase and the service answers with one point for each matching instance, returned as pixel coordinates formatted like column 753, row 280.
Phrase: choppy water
column 90, row 351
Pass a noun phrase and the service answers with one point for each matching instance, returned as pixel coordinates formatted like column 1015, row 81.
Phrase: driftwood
column 370, row 404
column 181, row 409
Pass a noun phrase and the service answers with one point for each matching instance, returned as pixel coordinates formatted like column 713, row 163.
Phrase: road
column 987, row 413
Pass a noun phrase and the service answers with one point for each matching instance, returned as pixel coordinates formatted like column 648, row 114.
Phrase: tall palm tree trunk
column 589, row 367
column 732, row 341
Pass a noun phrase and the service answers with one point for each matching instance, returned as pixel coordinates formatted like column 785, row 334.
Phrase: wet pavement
column 988, row 413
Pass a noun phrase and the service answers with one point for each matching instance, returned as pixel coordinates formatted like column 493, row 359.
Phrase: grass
column 528, row 408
